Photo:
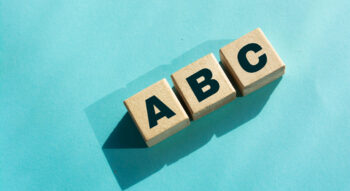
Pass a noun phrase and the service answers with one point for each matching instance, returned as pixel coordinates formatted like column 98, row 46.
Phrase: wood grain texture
column 166, row 127
column 225, row 94
column 248, row 82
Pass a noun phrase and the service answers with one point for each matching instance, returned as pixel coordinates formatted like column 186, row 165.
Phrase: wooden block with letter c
column 252, row 61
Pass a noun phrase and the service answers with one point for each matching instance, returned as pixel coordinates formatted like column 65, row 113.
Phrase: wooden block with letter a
column 252, row 61
column 157, row 112
column 204, row 86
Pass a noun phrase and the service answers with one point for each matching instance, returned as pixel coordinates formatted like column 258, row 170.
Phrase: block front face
column 203, row 86
column 252, row 61
column 157, row 112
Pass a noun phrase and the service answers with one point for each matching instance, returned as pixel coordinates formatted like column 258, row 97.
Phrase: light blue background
column 66, row 66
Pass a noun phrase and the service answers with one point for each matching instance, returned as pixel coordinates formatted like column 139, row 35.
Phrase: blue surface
column 66, row 66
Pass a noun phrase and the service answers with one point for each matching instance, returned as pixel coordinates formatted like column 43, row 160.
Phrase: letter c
column 243, row 61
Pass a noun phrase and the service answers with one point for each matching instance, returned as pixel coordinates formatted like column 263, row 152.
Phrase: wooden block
column 157, row 112
column 252, row 61
column 203, row 86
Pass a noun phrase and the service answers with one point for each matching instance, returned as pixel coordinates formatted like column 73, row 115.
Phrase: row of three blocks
column 203, row 87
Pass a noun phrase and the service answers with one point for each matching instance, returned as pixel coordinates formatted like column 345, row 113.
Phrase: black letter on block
column 197, row 87
column 163, row 111
column 245, row 63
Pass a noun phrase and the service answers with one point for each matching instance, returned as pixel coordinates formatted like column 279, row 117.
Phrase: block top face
column 258, row 47
column 204, row 64
column 137, row 108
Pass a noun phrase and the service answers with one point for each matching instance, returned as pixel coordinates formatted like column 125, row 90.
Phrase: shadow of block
column 125, row 135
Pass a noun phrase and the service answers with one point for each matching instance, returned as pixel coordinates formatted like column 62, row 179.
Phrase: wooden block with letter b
column 157, row 112
column 252, row 61
column 203, row 86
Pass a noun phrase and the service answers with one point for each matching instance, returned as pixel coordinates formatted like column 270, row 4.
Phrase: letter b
column 197, row 88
